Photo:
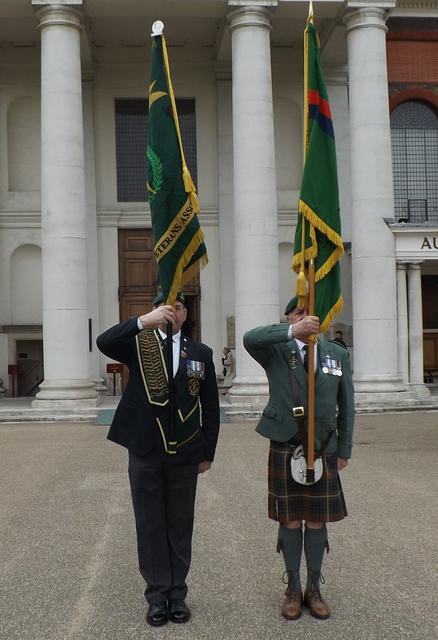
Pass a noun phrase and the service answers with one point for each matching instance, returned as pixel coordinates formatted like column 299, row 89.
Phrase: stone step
column 36, row 415
column 229, row 412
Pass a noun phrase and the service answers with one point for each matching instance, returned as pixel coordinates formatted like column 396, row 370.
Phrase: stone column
column 373, row 245
column 91, row 222
column 225, row 197
column 415, row 306
column 67, row 380
column 402, row 323
column 255, row 200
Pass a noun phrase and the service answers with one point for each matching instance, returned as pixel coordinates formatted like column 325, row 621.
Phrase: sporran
column 298, row 465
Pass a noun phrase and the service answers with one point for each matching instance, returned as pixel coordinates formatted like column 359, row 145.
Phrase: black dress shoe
column 158, row 614
column 179, row 611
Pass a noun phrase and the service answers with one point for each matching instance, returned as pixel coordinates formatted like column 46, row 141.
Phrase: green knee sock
column 290, row 542
column 315, row 541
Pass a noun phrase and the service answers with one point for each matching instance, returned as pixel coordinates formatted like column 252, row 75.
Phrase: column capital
column 401, row 266
column 415, row 266
column 52, row 13
column 251, row 14
column 365, row 17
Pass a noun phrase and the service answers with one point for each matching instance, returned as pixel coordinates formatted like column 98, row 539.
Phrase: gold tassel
column 189, row 188
column 302, row 288
column 187, row 178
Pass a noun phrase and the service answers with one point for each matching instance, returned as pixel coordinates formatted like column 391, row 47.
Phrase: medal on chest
column 293, row 360
column 331, row 366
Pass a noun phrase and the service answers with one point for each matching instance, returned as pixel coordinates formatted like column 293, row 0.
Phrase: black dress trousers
column 163, row 496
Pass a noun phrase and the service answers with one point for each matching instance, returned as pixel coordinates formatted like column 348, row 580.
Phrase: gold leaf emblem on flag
column 155, row 95
column 156, row 169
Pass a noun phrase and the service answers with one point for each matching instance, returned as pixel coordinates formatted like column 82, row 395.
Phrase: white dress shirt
column 176, row 343
column 302, row 352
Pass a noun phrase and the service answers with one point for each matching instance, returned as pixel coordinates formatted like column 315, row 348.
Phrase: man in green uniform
column 282, row 351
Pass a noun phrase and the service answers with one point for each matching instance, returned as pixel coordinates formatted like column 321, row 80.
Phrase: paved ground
column 68, row 560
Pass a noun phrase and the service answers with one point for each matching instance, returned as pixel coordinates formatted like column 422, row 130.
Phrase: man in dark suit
column 281, row 349
column 163, row 485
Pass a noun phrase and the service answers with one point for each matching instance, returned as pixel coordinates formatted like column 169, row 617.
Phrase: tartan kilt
column 287, row 500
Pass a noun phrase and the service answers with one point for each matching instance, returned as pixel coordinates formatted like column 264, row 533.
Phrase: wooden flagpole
column 311, row 382
column 311, row 299
column 171, row 441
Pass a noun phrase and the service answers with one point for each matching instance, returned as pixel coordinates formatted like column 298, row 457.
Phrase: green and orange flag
column 318, row 231
column 178, row 239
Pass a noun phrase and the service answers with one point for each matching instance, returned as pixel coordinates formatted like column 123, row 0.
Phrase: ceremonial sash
column 155, row 379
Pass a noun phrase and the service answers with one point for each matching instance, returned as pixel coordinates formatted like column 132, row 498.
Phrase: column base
column 100, row 386
column 378, row 384
column 420, row 391
column 379, row 392
column 375, row 395
column 247, row 397
column 66, row 394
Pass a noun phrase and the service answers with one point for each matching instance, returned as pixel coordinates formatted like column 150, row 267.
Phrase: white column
column 402, row 323
column 91, row 221
column 255, row 201
column 373, row 246
column 67, row 381
column 416, row 374
column 225, row 197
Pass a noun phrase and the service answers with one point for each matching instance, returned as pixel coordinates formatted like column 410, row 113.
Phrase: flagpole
column 311, row 300
column 311, row 382
column 171, row 441
column 179, row 246
column 157, row 31
column 318, row 232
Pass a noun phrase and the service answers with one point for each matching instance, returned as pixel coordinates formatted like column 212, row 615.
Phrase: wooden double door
column 138, row 280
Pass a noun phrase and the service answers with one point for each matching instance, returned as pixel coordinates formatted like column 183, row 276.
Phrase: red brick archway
column 415, row 93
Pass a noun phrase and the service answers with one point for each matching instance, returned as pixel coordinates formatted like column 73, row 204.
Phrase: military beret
column 291, row 305
column 159, row 299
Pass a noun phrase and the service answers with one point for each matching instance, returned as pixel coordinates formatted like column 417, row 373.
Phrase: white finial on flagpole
column 157, row 28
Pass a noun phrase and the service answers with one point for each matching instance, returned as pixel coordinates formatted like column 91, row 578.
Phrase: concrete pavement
column 68, row 565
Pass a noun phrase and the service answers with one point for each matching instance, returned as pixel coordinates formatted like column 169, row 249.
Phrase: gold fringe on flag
column 187, row 178
column 180, row 276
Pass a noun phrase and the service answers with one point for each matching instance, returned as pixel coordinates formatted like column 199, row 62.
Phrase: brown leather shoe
column 317, row 606
column 292, row 605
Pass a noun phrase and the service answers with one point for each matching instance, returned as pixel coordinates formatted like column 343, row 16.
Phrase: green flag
column 178, row 239
column 319, row 222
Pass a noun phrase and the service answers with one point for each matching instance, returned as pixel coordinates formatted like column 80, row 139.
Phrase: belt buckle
column 298, row 412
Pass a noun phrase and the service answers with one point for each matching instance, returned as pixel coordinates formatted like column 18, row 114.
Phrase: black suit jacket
column 135, row 423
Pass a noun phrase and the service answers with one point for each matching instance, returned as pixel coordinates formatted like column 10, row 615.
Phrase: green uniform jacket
column 334, row 395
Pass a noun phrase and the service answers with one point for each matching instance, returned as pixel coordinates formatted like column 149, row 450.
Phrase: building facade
column 75, row 234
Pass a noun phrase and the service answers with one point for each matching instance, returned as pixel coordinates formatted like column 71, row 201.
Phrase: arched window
column 414, row 139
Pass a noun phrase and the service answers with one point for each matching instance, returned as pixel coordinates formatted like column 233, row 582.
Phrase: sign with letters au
column 416, row 244
column 430, row 242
